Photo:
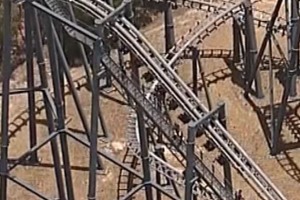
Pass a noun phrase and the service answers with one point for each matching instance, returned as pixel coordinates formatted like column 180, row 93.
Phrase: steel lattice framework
column 149, row 130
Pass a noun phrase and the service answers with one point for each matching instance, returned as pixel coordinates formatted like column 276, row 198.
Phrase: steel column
column 271, row 96
column 74, row 93
column 94, row 120
column 27, row 154
column 144, row 144
column 190, row 163
column 142, row 133
column 226, row 164
column 264, row 44
column 288, row 26
column 30, row 80
column 251, row 50
column 201, row 71
column 294, row 20
column 48, row 109
column 236, row 41
column 59, row 107
column 59, row 27
column 195, row 58
column 291, row 71
column 169, row 26
column 158, row 152
column 6, row 73
column 81, row 49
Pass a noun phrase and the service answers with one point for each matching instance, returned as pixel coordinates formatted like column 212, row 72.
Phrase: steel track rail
column 157, row 163
column 261, row 18
column 216, row 9
column 159, row 120
column 178, row 89
column 213, row 53
column 126, row 179
column 183, row 152
column 189, row 102
column 205, row 29
column 78, row 35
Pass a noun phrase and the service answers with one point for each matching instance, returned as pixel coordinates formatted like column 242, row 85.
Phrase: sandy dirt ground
column 224, row 85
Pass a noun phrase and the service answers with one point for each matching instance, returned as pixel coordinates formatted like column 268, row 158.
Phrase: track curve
column 207, row 27
column 191, row 104
column 88, row 40
column 261, row 18
column 253, row 171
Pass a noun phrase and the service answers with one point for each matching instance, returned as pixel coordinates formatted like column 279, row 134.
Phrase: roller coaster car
column 148, row 130
column 148, row 77
column 174, row 6
column 200, row 132
column 176, row 127
column 124, row 50
column 160, row 90
column 184, row 118
column 209, row 145
column 135, row 61
column 172, row 104
column 221, row 160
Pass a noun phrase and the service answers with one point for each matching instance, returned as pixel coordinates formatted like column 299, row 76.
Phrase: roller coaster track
column 158, row 119
column 185, row 98
column 261, row 18
column 157, row 164
column 22, row 119
column 126, row 179
column 215, row 53
column 189, row 102
column 220, row 14
column 202, row 30
column 136, row 94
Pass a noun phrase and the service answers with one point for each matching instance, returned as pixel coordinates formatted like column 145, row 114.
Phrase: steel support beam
column 34, row 149
column 291, row 71
column 30, row 80
column 169, row 26
column 125, row 167
column 81, row 49
column 143, row 136
column 6, row 73
column 195, row 58
column 294, row 20
column 288, row 28
column 236, row 41
column 264, row 44
column 27, row 187
column 226, row 164
column 251, row 50
column 271, row 96
column 94, row 119
column 201, row 71
column 190, row 165
column 158, row 178
column 75, row 95
column 48, row 108
column 59, row 106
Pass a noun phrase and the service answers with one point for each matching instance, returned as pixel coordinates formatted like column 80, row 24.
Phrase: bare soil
column 224, row 85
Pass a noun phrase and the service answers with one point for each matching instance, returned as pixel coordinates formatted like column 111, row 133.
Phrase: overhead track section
column 261, row 18
column 205, row 29
column 159, row 165
column 151, row 112
column 191, row 104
